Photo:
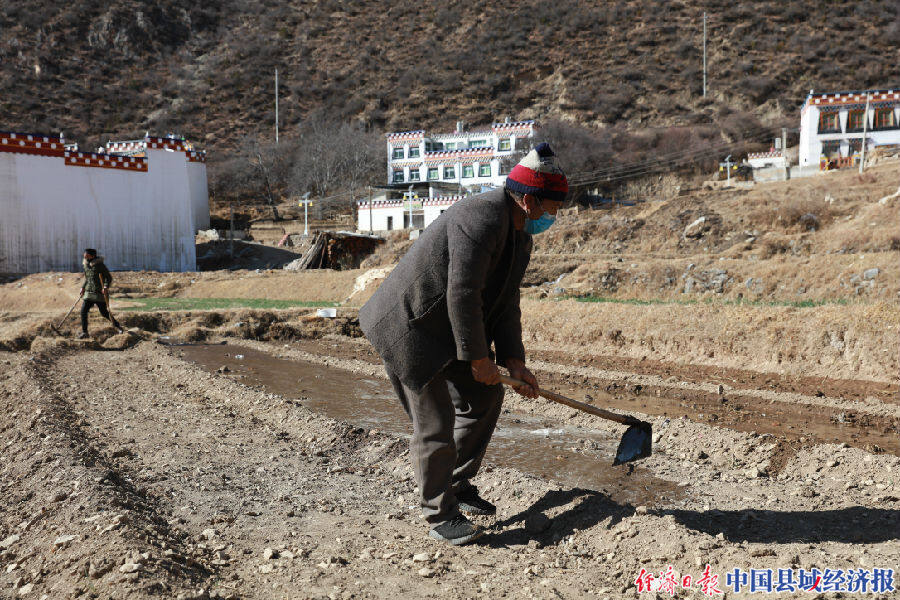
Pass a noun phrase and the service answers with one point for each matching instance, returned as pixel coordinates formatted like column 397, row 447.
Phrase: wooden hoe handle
column 599, row 412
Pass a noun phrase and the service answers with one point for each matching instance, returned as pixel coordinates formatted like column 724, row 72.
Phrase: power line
column 752, row 133
column 649, row 167
column 663, row 160
column 752, row 130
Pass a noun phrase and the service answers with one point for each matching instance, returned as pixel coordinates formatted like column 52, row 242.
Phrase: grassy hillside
column 206, row 69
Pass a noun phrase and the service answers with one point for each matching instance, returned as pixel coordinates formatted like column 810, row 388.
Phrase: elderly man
column 433, row 321
column 95, row 290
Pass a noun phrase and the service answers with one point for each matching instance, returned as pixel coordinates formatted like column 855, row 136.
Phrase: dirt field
column 268, row 459
column 177, row 470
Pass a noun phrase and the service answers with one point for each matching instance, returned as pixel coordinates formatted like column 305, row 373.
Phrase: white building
column 772, row 165
column 385, row 214
column 766, row 160
column 195, row 164
column 468, row 158
column 832, row 124
column 140, row 203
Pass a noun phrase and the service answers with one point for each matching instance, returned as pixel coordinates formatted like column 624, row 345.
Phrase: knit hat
column 539, row 174
column 90, row 251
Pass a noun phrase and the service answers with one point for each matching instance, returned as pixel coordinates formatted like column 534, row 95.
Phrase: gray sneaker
column 83, row 335
column 458, row 531
column 471, row 503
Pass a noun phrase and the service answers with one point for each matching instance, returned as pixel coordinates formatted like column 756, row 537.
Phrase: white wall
column 431, row 210
column 765, row 174
column 518, row 134
column 379, row 217
column 810, row 150
column 199, row 191
column 137, row 220
column 762, row 160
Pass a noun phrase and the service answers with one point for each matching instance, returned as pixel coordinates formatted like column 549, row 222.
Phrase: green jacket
column 93, row 271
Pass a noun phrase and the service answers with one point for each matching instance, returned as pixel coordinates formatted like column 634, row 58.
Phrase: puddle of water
column 740, row 412
column 520, row 441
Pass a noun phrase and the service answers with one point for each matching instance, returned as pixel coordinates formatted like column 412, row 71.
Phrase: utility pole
column 862, row 157
column 704, row 54
column 276, row 107
column 231, row 234
column 409, row 204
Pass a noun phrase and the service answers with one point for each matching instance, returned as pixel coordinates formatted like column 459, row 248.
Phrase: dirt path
column 175, row 482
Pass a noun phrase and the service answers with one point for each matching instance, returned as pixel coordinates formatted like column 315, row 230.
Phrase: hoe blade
column 636, row 443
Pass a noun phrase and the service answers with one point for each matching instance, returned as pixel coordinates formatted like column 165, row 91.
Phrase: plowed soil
column 178, row 478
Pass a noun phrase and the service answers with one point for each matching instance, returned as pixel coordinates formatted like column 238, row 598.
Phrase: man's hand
column 81, row 293
column 485, row 371
column 518, row 370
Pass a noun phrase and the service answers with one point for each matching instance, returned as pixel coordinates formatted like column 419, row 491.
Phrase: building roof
column 849, row 97
column 769, row 154
column 52, row 146
column 394, row 203
column 127, row 155
column 501, row 128
column 439, row 156
column 176, row 144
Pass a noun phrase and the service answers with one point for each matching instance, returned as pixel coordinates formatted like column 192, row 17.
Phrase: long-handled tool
column 63, row 320
column 637, row 440
column 105, row 292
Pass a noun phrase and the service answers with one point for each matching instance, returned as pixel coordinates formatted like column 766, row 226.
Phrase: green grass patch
column 716, row 301
column 604, row 299
column 154, row 304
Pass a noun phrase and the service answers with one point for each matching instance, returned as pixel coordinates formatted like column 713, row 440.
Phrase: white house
column 140, row 203
column 385, row 214
column 771, row 165
column 774, row 157
column 832, row 125
column 470, row 159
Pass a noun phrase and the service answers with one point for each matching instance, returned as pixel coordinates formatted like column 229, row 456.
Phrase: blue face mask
column 540, row 224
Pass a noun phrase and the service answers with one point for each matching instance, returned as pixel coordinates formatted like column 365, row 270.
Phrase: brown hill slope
column 813, row 239
column 206, row 69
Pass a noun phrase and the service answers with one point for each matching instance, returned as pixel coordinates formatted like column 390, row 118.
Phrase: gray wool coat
column 454, row 293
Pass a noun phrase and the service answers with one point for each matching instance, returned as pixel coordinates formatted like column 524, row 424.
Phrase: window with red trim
column 829, row 123
column 855, row 120
column 885, row 119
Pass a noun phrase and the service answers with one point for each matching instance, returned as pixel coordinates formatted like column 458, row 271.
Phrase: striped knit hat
column 539, row 174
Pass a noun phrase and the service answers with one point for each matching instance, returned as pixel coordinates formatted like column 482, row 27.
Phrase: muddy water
column 568, row 455
column 793, row 421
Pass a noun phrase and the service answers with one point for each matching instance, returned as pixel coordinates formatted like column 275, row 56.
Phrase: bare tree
column 325, row 157
column 271, row 164
column 579, row 148
column 331, row 156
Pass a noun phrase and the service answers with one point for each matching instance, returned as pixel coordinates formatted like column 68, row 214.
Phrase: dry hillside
column 821, row 238
column 205, row 69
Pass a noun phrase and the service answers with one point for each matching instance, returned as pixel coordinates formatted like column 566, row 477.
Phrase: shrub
column 758, row 87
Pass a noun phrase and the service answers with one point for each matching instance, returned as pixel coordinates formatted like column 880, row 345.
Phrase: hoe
column 63, row 320
column 636, row 441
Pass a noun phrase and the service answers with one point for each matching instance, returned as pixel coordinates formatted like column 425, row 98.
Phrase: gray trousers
column 453, row 419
